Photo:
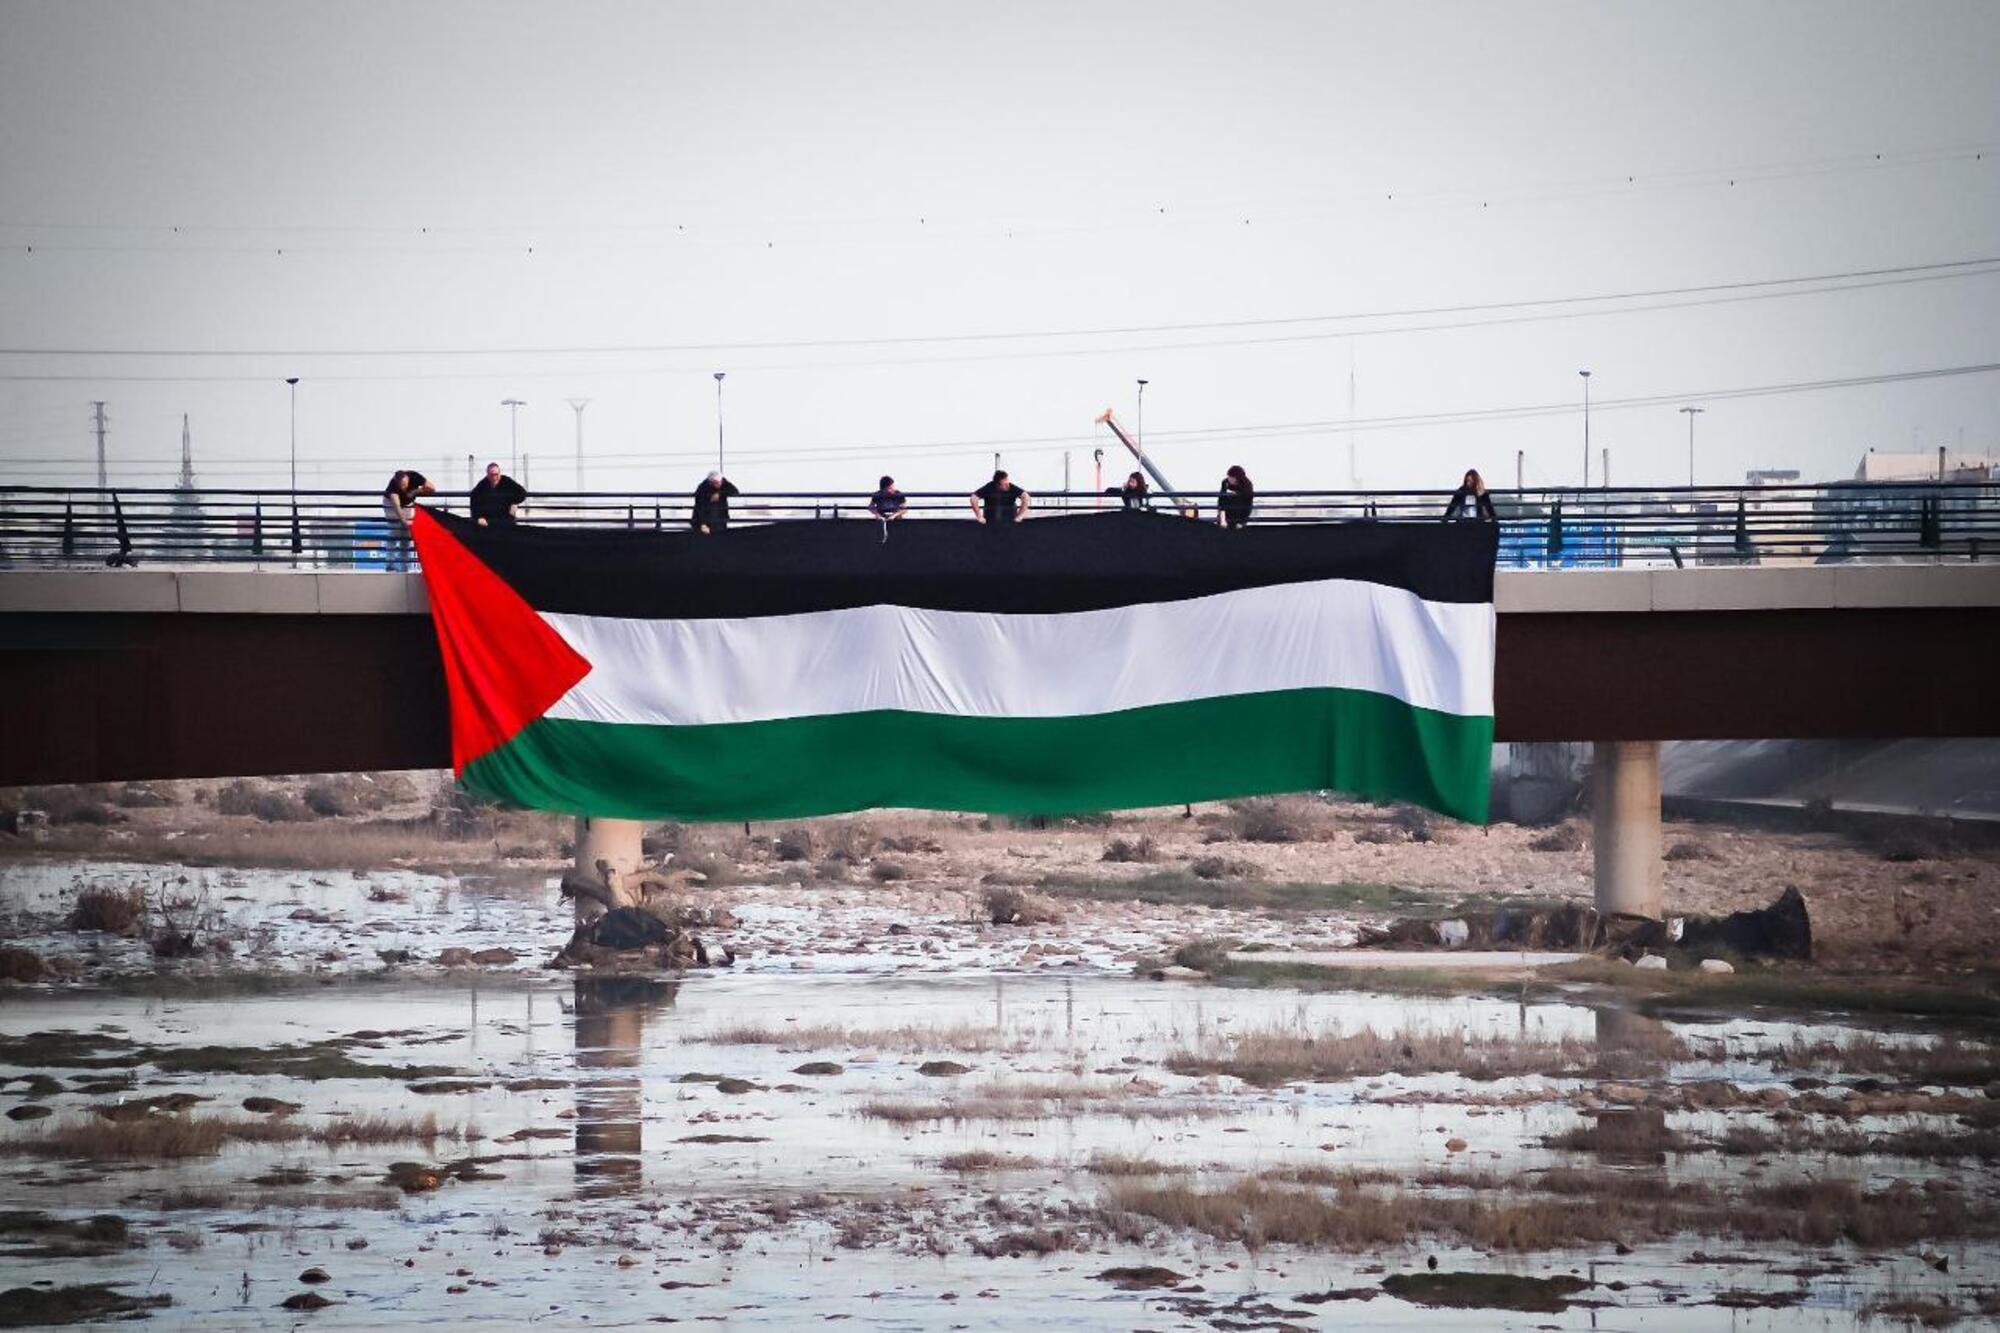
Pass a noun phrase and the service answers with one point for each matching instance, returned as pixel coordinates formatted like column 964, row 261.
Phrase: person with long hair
column 399, row 504
column 1470, row 500
column 1234, row 501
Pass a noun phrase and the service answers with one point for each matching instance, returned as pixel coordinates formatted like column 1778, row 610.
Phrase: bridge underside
column 90, row 697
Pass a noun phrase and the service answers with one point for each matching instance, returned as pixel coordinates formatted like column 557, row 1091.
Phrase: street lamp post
column 1139, row 422
column 513, row 406
column 293, row 382
column 577, row 405
column 1691, row 413
column 718, row 420
column 1586, row 428
column 292, row 386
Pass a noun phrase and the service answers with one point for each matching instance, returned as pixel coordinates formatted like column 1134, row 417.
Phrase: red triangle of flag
column 503, row 665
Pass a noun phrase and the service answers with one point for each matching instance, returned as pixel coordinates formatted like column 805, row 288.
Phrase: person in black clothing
column 999, row 501
column 493, row 499
column 711, row 504
column 399, row 502
column 1470, row 500
column 1234, row 501
column 1133, row 494
column 887, row 502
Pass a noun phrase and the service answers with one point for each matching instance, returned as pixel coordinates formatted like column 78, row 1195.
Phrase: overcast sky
column 591, row 200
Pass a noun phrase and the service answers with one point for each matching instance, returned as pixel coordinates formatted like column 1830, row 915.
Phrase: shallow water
column 586, row 1225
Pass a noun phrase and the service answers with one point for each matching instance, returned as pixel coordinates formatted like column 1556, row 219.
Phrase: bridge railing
column 55, row 527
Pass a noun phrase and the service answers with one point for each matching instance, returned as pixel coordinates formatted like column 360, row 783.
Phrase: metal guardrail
column 43, row 526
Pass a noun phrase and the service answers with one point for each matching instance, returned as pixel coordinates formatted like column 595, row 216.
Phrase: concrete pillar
column 614, row 840
column 1625, row 807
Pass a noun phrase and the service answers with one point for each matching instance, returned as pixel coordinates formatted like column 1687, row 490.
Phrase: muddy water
column 621, row 1208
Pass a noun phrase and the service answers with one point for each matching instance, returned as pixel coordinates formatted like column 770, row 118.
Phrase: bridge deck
column 118, row 674
column 280, row 591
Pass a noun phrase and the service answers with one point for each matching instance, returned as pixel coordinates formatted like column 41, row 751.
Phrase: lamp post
column 1691, row 413
column 1139, row 422
column 718, row 419
column 292, row 387
column 577, row 405
column 513, row 406
column 293, row 382
column 1586, row 428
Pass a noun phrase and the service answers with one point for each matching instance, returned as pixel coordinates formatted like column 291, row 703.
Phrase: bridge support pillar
column 614, row 840
column 1625, row 808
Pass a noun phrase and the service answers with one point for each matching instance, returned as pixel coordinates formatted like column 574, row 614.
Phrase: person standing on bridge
column 1233, row 503
column 494, row 498
column 1133, row 494
column 399, row 502
column 1000, row 501
column 1470, row 500
column 711, row 504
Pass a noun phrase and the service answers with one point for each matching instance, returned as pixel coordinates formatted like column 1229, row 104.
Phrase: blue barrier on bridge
column 1524, row 544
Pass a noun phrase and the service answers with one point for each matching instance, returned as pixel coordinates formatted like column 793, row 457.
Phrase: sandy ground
column 1935, row 907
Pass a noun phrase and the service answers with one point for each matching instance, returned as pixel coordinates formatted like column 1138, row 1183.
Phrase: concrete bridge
column 136, row 674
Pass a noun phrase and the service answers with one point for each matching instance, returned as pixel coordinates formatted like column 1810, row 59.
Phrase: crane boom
column 1159, row 479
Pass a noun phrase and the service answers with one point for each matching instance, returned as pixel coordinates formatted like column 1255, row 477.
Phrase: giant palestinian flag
column 1089, row 662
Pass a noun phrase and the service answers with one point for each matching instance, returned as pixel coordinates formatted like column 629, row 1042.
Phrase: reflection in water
column 1636, row 1047
column 610, row 1024
column 1645, row 1044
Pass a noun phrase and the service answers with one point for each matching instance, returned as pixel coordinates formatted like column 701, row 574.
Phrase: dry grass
column 1920, row 1143
column 1521, row 1214
column 1949, row 1061
column 1131, row 849
column 1268, row 1059
column 794, row 844
column 1561, row 838
column 1224, row 867
column 176, row 1136
column 825, row 1037
column 1793, row 989
column 1114, row 1164
column 1635, row 1134
column 1010, row 906
column 211, row 1199
column 1279, row 819
column 117, row 911
column 1028, row 1101
column 980, row 1160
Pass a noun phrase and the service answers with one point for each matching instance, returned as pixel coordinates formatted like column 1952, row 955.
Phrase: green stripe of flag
column 1354, row 741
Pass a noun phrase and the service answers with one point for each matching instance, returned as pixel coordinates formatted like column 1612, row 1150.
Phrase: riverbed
column 953, row 1126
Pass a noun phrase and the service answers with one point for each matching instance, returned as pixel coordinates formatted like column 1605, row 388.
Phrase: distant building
column 1772, row 476
column 1895, row 495
column 1922, row 465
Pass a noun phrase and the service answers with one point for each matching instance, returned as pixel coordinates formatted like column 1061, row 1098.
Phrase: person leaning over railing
column 888, row 504
column 492, row 501
column 1236, row 498
column 399, row 502
column 1000, row 501
column 711, row 504
column 1470, row 500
